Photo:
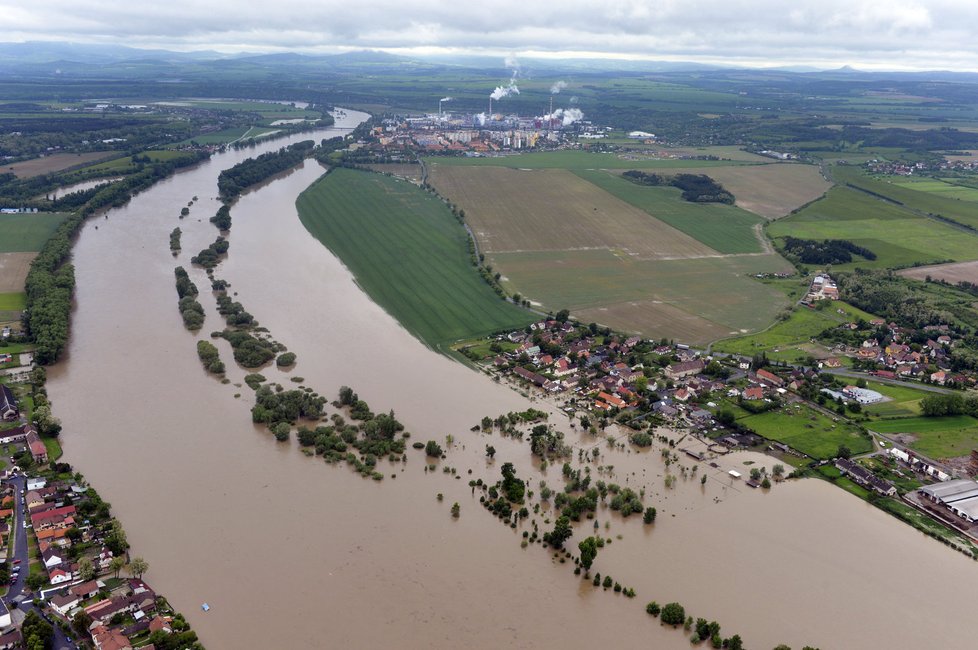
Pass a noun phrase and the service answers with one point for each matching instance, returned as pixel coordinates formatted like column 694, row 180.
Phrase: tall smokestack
column 490, row 106
column 550, row 118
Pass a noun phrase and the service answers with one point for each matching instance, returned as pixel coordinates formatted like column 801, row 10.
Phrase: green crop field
column 12, row 301
column 897, row 236
column 576, row 160
column 725, row 228
column 942, row 437
column 27, row 232
column 546, row 210
column 943, row 188
column 120, row 165
column 905, row 400
column 928, row 202
column 230, row 135
column 692, row 300
column 408, row 253
column 808, row 431
column 783, row 341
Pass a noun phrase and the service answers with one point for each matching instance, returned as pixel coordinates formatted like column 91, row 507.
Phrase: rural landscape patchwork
column 418, row 345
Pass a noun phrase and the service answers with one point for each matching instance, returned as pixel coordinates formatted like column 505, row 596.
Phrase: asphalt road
column 16, row 597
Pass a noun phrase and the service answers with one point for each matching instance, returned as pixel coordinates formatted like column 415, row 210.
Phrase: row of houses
column 134, row 602
column 864, row 477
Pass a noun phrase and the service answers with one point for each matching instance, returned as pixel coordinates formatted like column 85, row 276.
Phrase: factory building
column 960, row 497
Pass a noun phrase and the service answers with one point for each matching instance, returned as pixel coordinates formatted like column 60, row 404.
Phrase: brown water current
column 292, row 553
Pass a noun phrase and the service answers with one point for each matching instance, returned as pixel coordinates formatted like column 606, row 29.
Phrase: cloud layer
column 921, row 34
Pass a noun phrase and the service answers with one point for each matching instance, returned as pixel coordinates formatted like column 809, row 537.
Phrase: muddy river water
column 292, row 553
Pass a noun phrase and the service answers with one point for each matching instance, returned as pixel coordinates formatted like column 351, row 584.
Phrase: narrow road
column 843, row 372
column 16, row 598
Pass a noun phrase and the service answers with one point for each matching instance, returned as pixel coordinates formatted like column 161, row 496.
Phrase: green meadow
column 408, row 253
column 725, row 228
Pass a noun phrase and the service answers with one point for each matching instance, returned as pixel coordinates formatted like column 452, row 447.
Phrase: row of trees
column 939, row 405
column 250, row 351
column 51, row 280
column 235, row 180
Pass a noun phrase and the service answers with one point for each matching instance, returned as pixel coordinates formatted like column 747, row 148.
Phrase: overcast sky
column 890, row 34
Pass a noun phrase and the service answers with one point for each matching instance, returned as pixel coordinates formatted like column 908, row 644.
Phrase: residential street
column 15, row 599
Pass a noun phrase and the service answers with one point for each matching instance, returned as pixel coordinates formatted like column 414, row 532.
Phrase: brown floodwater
column 292, row 553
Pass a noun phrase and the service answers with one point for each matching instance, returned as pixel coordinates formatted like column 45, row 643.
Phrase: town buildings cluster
column 476, row 134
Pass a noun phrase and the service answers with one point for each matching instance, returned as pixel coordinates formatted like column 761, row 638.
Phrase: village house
column 160, row 624
column 754, row 393
column 684, row 369
column 38, row 451
column 64, row 603
column 11, row 639
column 563, row 368
column 86, row 590
column 55, row 518
column 16, row 434
column 103, row 611
column 53, row 558
column 769, row 378
column 106, row 639
column 8, row 404
column 59, row 576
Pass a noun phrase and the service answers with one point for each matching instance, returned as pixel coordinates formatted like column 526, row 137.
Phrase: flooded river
column 291, row 553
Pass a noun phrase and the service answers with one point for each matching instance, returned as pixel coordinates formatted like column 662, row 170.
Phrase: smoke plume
column 510, row 88
column 557, row 87
column 567, row 116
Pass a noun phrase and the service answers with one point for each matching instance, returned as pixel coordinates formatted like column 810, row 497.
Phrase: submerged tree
column 589, row 551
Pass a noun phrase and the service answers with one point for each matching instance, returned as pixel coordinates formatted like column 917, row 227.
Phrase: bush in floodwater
column 642, row 439
column 418, row 445
column 673, row 614
column 286, row 359
column 653, row 608
column 432, row 449
column 607, row 582
column 281, row 431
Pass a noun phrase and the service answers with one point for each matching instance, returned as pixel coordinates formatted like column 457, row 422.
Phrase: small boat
column 205, row 607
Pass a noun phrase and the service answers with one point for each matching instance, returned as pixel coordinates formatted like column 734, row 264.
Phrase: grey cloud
column 901, row 33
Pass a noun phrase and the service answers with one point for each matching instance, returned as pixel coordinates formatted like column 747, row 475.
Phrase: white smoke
column 567, row 116
column 480, row 119
column 446, row 99
column 557, row 87
column 510, row 88
column 573, row 100
column 505, row 91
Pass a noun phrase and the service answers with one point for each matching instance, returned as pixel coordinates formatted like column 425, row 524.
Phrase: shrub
column 286, row 359
column 673, row 614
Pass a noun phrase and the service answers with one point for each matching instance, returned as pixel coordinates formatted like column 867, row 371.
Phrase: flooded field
column 291, row 553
